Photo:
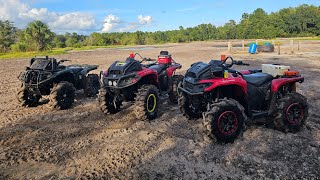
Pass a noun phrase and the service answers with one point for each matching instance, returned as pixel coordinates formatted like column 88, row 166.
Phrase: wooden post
column 291, row 44
column 243, row 45
column 229, row 46
column 278, row 48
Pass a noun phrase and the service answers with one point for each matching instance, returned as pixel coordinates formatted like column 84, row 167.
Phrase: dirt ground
column 82, row 142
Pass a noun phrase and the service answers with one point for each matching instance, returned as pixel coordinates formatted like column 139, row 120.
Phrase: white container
column 274, row 70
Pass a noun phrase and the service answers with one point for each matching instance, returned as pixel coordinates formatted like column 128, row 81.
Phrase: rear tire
column 26, row 97
column 106, row 102
column 174, row 93
column 225, row 120
column 92, row 85
column 62, row 96
column 146, row 102
column 291, row 112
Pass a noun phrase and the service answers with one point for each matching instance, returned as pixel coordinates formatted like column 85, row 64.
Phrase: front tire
column 291, row 112
column 62, row 96
column 92, row 85
column 174, row 93
column 27, row 97
column 146, row 102
column 106, row 102
column 185, row 109
column 225, row 120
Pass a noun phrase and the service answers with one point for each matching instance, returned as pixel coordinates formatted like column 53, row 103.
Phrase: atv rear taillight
column 291, row 73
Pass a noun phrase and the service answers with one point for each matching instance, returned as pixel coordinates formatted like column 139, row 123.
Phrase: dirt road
column 84, row 143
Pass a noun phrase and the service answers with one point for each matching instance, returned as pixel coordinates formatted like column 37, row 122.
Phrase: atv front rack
column 34, row 78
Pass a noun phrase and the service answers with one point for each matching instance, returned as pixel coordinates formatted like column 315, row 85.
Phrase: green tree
column 7, row 35
column 40, row 34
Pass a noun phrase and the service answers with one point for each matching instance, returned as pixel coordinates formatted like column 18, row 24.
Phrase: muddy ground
column 84, row 143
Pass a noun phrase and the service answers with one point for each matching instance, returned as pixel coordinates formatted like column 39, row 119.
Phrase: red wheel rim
column 227, row 122
column 295, row 113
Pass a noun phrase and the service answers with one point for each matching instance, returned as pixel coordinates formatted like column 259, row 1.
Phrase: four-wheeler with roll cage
column 47, row 76
column 225, row 97
column 140, row 82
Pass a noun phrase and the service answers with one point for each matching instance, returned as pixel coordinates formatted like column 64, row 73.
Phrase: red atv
column 133, row 80
column 226, row 97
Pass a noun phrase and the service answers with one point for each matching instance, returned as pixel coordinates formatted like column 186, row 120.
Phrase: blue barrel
column 267, row 44
column 253, row 48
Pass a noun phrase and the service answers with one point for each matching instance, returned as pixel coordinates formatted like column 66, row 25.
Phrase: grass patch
column 57, row 51
column 30, row 54
column 307, row 38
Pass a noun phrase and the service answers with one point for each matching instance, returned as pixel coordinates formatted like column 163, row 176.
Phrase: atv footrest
column 260, row 114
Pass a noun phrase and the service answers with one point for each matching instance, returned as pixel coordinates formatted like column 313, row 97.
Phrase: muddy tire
column 174, row 93
column 146, row 102
column 291, row 112
column 62, row 96
column 106, row 102
column 92, row 85
column 225, row 120
column 185, row 109
column 26, row 97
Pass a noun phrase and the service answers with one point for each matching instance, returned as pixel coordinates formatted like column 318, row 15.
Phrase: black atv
column 133, row 80
column 47, row 76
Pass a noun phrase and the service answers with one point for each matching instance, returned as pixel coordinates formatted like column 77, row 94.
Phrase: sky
column 87, row 16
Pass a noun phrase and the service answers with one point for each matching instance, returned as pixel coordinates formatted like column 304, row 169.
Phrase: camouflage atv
column 47, row 76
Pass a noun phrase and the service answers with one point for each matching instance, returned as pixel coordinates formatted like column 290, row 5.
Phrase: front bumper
column 190, row 93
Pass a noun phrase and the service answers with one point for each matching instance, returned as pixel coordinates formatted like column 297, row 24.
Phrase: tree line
column 303, row 20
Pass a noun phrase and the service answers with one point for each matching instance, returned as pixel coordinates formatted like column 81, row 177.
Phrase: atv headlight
column 110, row 83
column 115, row 83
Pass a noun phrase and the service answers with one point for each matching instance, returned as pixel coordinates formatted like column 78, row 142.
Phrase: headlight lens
column 114, row 83
column 110, row 83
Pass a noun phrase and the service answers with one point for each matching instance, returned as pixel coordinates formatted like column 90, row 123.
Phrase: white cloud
column 21, row 14
column 110, row 23
column 143, row 20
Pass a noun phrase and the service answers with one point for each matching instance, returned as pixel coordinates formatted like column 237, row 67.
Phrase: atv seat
column 159, row 67
column 258, row 79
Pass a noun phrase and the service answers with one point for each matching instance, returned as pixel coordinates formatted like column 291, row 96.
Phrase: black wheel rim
column 32, row 98
column 66, row 98
column 295, row 113
column 227, row 122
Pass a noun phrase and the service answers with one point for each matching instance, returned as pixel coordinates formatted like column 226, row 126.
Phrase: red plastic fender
column 217, row 82
column 171, row 69
column 277, row 83
column 244, row 72
column 147, row 71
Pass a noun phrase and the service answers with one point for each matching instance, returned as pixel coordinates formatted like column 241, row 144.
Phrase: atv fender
column 220, row 82
column 171, row 69
column 87, row 68
column 149, row 75
column 277, row 83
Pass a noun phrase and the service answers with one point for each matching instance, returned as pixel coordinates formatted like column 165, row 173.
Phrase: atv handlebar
column 228, row 65
column 63, row 60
